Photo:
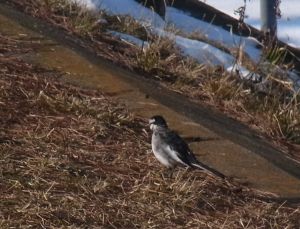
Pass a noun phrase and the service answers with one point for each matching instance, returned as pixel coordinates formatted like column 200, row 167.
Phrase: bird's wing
column 178, row 147
column 180, row 150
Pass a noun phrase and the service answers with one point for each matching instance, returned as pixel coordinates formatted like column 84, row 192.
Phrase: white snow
column 130, row 39
column 201, row 51
column 288, row 24
column 212, row 32
column 125, row 7
column 89, row 4
column 197, row 49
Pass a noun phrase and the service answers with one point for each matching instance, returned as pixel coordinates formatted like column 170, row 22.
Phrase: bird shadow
column 199, row 139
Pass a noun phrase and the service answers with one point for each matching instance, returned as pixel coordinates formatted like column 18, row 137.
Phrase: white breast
column 161, row 152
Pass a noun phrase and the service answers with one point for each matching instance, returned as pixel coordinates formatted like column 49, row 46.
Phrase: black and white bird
column 171, row 150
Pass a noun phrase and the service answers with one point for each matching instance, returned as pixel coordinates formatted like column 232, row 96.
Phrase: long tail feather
column 210, row 170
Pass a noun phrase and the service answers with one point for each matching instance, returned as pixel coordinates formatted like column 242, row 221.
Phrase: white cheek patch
column 152, row 126
column 151, row 121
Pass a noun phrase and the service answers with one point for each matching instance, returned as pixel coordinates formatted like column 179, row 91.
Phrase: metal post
column 268, row 17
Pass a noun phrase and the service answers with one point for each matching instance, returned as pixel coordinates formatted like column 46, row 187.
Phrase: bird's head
column 157, row 121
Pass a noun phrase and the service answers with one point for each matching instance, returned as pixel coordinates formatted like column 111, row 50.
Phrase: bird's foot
column 167, row 173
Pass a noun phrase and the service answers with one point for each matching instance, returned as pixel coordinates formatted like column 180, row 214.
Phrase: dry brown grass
column 270, row 107
column 74, row 158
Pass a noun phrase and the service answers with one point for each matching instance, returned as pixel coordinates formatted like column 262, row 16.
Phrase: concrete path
column 224, row 144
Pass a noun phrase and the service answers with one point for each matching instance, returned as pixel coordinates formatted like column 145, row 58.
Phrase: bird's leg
column 168, row 173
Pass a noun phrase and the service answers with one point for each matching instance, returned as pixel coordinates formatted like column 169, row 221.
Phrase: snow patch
column 130, row 39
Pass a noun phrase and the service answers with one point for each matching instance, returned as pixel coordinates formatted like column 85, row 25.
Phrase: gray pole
column 268, row 17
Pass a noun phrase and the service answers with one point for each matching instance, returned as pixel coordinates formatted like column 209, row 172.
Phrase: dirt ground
column 270, row 115
column 72, row 157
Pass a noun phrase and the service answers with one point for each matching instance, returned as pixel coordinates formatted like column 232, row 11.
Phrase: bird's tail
column 210, row 170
